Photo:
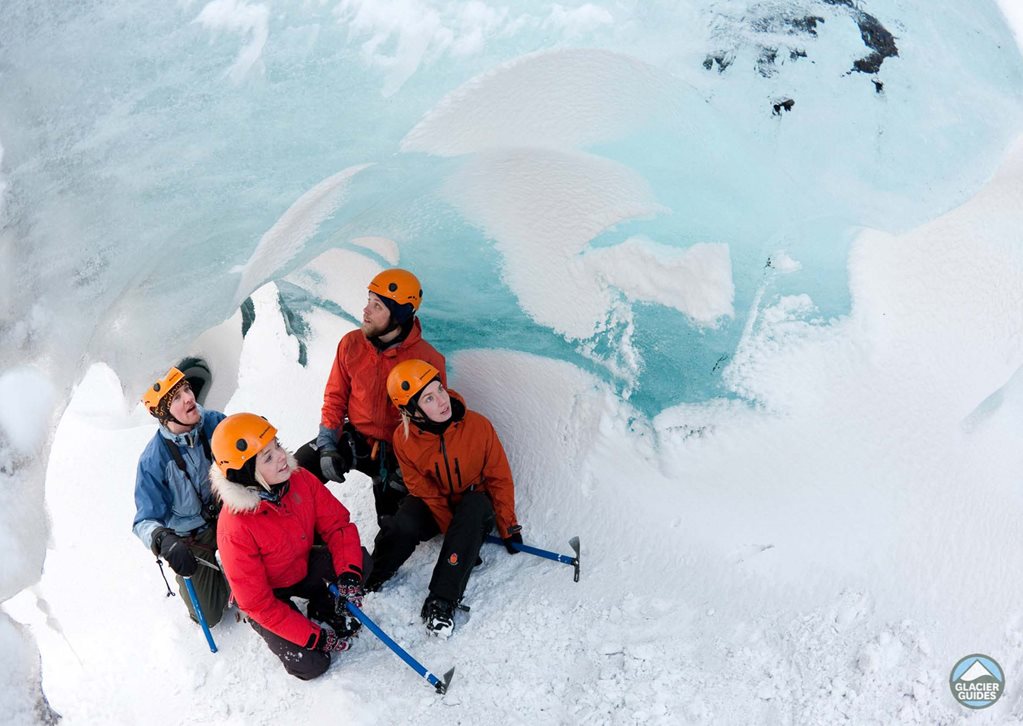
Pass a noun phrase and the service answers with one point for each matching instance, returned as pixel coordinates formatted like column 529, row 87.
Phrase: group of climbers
column 207, row 483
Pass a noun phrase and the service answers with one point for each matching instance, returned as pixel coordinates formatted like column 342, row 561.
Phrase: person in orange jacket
column 272, row 512
column 357, row 420
column 459, row 482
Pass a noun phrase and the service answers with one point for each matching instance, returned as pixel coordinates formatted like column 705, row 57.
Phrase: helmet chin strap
column 393, row 324
column 415, row 413
column 172, row 417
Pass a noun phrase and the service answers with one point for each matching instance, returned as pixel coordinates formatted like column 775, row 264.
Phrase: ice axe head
column 442, row 685
column 574, row 544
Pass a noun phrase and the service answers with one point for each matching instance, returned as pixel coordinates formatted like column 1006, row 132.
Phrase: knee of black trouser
column 312, row 664
column 404, row 525
column 213, row 617
column 476, row 505
column 403, row 536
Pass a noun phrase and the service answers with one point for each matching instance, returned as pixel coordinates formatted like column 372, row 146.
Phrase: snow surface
column 587, row 97
column 822, row 558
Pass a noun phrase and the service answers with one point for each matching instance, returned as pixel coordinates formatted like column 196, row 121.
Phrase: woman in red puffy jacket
column 459, row 483
column 272, row 512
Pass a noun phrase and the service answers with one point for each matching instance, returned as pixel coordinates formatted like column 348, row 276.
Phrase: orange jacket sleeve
column 497, row 477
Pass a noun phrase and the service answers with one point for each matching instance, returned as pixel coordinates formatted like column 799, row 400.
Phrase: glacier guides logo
column 977, row 681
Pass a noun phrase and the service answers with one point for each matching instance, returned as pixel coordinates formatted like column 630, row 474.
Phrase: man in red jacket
column 357, row 419
column 273, row 511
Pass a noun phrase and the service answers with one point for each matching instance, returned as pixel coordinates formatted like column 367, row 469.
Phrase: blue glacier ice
column 147, row 149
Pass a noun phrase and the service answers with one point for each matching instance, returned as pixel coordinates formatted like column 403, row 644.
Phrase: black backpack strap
column 176, row 455
column 180, row 461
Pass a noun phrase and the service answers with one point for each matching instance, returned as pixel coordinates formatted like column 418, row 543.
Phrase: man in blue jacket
column 176, row 513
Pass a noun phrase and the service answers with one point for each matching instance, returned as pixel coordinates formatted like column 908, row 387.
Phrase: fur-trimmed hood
column 238, row 497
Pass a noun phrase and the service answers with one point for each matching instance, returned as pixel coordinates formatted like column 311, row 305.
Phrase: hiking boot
column 439, row 615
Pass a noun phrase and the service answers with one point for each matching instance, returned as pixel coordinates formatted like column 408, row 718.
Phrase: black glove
column 331, row 642
column 169, row 546
column 333, row 466
column 514, row 537
column 349, row 589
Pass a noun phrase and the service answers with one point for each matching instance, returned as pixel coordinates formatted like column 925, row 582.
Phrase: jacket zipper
column 447, row 464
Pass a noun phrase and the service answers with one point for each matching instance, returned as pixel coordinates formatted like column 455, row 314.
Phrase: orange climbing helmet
column 399, row 286
column 156, row 399
column 408, row 378
column 238, row 438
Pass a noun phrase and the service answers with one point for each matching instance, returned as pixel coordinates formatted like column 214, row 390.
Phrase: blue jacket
column 164, row 496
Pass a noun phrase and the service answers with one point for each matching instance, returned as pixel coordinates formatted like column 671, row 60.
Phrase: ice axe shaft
column 565, row 559
column 199, row 613
column 440, row 684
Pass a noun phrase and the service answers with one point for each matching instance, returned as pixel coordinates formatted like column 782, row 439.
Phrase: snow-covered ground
column 825, row 557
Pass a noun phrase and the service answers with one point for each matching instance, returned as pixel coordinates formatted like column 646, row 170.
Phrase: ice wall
column 177, row 156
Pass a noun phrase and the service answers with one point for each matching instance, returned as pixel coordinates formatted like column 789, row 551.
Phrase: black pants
column 388, row 484
column 473, row 518
column 297, row 660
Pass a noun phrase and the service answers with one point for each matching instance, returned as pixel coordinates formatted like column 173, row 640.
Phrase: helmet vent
column 241, row 445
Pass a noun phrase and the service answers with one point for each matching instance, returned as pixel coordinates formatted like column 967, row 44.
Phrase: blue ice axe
column 199, row 613
column 440, row 684
column 564, row 559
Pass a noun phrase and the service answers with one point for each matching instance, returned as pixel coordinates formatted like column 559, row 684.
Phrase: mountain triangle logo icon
column 977, row 681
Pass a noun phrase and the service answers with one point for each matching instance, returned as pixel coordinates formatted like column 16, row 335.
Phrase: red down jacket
column 265, row 546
